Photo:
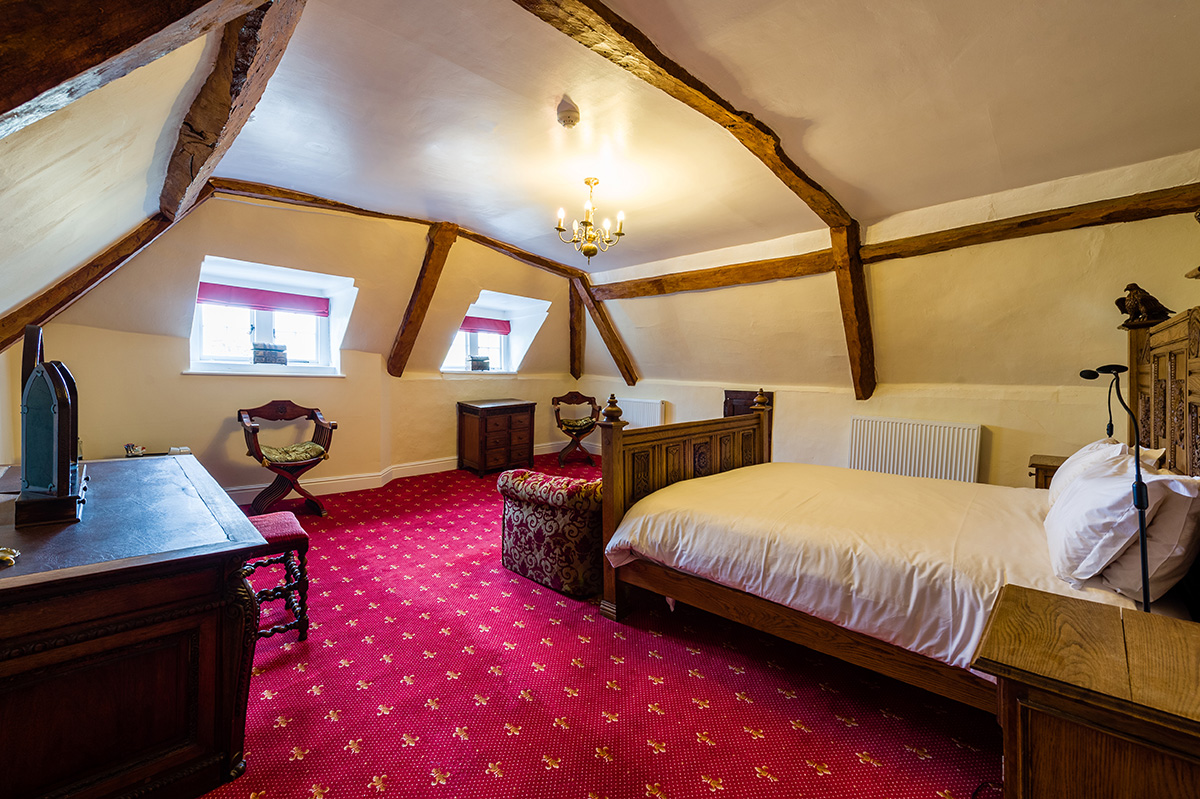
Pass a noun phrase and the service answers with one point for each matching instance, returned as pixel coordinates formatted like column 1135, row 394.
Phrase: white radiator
column 915, row 447
column 642, row 412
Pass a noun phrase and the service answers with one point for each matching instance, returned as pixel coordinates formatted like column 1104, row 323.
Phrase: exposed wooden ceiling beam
column 56, row 51
column 602, row 31
column 578, row 329
column 251, row 47
column 56, row 299
column 441, row 237
column 810, row 263
column 1130, row 208
column 262, row 191
column 554, row 267
column 608, row 333
column 852, row 295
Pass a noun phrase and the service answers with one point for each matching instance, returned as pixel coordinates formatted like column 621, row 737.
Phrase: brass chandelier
column 586, row 237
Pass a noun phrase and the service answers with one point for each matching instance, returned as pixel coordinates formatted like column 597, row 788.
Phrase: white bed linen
column 912, row 561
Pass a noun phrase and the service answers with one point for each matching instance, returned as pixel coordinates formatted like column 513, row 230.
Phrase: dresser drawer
column 518, row 437
column 496, row 441
column 495, row 423
column 522, row 453
column 520, row 421
column 495, row 457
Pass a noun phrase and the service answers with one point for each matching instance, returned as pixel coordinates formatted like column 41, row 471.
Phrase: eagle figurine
column 1141, row 307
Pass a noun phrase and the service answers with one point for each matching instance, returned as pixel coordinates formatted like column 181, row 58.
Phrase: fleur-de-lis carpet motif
column 432, row 671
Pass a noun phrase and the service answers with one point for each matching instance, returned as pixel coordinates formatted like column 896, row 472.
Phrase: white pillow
column 1172, row 541
column 1106, row 449
column 1094, row 519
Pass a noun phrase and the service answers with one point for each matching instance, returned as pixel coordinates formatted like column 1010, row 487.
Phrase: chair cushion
column 577, row 426
column 304, row 451
column 279, row 528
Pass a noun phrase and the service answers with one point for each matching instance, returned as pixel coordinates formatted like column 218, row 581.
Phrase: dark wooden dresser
column 126, row 639
column 495, row 434
column 1096, row 702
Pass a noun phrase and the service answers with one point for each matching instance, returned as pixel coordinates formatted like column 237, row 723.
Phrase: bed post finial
column 614, row 497
column 760, row 400
column 612, row 412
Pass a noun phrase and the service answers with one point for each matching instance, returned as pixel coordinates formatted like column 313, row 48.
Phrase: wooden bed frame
column 1164, row 393
column 642, row 460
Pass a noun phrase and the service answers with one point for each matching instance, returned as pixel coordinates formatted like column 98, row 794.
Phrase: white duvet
column 912, row 561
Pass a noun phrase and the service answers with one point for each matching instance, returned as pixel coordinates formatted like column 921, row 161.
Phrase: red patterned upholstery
column 551, row 530
column 279, row 528
column 287, row 547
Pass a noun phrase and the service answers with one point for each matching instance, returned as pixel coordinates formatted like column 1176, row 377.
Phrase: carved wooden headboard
column 1164, row 393
column 1165, row 388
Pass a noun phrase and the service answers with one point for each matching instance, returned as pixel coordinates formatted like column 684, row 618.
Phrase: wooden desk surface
column 1089, row 650
column 138, row 511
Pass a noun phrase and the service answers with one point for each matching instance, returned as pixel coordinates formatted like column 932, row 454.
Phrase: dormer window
column 259, row 319
column 496, row 333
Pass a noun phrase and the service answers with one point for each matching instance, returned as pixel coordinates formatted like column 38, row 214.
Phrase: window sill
column 469, row 373
column 262, row 370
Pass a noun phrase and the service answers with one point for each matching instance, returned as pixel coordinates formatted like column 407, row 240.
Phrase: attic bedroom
column 305, row 279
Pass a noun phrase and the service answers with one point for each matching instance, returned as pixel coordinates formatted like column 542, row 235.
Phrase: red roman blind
column 478, row 324
column 262, row 300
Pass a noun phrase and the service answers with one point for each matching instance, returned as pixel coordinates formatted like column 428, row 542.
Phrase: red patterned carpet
column 431, row 671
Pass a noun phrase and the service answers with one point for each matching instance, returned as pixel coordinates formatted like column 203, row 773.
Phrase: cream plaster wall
column 126, row 343
column 10, row 405
column 993, row 334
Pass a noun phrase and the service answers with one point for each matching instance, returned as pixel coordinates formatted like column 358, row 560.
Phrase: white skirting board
column 244, row 495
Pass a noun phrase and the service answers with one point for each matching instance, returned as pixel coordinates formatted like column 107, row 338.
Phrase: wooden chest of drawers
column 495, row 434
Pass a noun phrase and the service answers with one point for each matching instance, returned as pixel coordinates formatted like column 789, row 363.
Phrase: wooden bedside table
column 1095, row 701
column 1044, row 467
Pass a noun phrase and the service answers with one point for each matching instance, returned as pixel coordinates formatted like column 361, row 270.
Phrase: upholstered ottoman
column 551, row 530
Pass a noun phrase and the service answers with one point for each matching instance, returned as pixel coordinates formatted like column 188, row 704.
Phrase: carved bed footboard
column 640, row 461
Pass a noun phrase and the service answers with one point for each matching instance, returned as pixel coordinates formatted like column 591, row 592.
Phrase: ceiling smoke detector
column 568, row 113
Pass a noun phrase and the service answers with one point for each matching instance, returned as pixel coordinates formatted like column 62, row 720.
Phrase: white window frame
column 525, row 315
column 330, row 330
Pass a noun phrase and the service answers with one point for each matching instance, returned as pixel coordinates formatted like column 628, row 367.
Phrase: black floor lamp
column 1141, row 498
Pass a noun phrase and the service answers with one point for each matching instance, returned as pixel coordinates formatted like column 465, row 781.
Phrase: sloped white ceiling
column 903, row 105
column 447, row 111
